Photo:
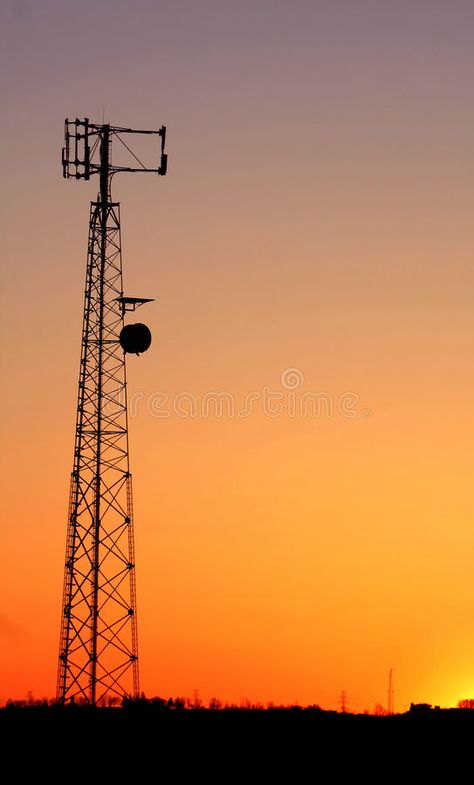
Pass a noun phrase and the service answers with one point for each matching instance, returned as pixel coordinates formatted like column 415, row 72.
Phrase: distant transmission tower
column 343, row 701
column 98, row 657
column 390, row 709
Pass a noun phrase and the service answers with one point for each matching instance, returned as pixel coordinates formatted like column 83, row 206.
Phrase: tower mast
column 390, row 692
column 98, row 656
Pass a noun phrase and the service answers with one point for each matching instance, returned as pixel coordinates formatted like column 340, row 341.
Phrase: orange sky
column 317, row 216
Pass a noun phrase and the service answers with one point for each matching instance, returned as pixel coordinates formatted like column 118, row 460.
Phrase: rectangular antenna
column 80, row 164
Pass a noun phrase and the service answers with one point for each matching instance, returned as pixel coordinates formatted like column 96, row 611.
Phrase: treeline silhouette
column 167, row 740
column 195, row 703
column 168, row 704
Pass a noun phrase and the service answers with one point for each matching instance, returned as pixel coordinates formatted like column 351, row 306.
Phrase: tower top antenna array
column 98, row 654
column 82, row 153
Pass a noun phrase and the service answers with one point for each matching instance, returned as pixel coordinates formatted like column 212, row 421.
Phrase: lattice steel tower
column 98, row 657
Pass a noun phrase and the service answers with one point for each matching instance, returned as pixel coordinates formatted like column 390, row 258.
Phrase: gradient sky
column 317, row 215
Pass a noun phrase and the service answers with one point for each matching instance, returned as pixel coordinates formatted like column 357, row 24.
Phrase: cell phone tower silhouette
column 98, row 655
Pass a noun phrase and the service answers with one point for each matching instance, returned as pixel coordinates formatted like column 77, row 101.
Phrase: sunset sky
column 314, row 235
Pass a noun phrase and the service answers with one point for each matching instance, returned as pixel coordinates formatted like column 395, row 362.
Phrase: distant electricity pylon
column 390, row 708
column 343, row 701
column 98, row 656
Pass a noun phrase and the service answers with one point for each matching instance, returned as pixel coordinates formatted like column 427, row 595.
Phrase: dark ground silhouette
column 150, row 741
